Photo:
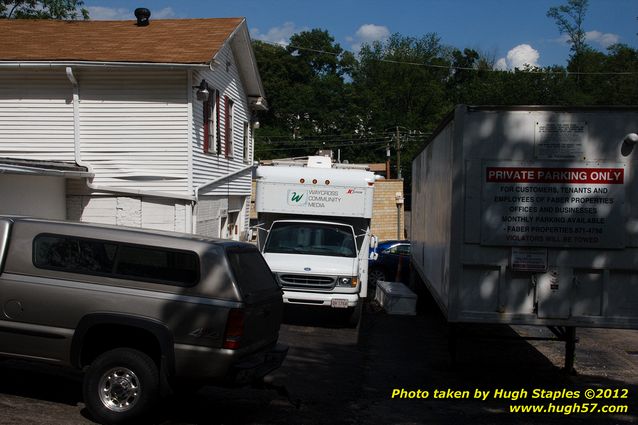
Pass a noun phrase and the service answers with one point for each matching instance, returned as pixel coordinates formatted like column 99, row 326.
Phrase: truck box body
column 314, row 230
column 529, row 215
column 334, row 193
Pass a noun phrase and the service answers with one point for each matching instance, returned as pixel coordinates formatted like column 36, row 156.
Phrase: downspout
column 190, row 227
column 78, row 153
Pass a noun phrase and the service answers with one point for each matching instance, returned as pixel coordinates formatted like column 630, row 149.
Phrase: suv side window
column 114, row 259
column 402, row 249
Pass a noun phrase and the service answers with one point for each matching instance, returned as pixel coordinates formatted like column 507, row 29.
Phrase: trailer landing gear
column 565, row 334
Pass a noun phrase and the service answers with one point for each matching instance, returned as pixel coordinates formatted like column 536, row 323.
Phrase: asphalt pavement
column 338, row 375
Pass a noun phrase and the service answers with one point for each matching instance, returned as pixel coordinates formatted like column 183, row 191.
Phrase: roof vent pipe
column 142, row 14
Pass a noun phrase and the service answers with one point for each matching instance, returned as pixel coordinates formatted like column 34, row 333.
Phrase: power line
column 349, row 143
column 311, row 141
column 320, row 146
column 456, row 68
column 330, row 136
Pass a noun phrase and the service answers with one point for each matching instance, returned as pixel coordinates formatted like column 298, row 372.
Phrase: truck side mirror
column 374, row 256
column 374, row 242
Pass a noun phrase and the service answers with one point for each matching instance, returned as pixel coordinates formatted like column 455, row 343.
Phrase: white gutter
column 219, row 179
column 91, row 64
column 35, row 171
column 78, row 153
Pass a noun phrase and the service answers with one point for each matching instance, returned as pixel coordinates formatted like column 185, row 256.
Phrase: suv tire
column 375, row 275
column 121, row 386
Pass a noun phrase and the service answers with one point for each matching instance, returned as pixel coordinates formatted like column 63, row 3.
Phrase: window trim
column 246, row 141
column 210, row 122
column 114, row 275
column 228, row 127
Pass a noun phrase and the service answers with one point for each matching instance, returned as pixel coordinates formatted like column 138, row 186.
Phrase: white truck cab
column 314, row 231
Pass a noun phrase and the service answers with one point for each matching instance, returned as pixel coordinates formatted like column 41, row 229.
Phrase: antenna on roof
column 142, row 14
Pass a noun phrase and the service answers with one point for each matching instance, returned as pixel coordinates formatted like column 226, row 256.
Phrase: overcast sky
column 513, row 32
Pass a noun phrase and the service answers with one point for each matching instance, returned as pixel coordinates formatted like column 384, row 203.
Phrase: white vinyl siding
column 215, row 213
column 134, row 127
column 208, row 167
column 210, row 211
column 146, row 211
column 36, row 115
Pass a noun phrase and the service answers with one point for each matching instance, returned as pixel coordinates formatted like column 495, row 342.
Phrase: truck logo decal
column 297, row 198
column 307, row 269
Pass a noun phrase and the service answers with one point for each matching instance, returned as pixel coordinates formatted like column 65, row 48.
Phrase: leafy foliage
column 43, row 9
column 394, row 93
column 397, row 91
column 570, row 18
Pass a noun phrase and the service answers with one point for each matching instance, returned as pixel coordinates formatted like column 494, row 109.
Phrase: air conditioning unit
column 319, row 162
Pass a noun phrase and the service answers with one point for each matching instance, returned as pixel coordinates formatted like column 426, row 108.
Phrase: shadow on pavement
column 338, row 375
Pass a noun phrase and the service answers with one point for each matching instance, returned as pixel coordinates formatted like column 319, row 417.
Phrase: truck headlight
column 347, row 281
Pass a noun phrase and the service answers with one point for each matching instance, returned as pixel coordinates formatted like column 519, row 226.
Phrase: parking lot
column 347, row 376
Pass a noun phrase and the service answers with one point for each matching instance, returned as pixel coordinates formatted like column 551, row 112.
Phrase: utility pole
column 387, row 160
column 398, row 154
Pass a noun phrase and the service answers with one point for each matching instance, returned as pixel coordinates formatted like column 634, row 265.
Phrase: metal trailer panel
column 529, row 215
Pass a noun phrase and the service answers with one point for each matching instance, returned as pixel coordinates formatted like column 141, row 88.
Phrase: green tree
column 307, row 93
column 43, row 9
column 570, row 18
column 400, row 83
column 319, row 52
column 611, row 77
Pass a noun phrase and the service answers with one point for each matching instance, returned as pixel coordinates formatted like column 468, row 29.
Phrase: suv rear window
column 115, row 259
column 251, row 271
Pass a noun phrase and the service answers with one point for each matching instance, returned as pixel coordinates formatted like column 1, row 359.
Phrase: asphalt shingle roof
column 186, row 41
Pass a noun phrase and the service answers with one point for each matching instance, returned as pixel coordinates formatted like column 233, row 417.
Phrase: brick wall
column 384, row 210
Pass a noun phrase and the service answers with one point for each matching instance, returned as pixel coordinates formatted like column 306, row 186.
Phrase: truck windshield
column 311, row 239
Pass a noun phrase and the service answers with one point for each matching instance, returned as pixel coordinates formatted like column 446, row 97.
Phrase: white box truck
column 314, row 230
column 529, row 215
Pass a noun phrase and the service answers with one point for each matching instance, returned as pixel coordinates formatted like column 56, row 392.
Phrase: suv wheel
column 375, row 275
column 120, row 386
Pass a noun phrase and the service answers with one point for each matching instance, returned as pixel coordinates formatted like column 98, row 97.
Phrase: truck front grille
column 307, row 281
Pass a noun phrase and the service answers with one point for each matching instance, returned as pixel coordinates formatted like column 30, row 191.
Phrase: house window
column 228, row 127
column 211, row 123
column 246, row 142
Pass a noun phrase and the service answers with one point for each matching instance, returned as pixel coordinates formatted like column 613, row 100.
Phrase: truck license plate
column 339, row 303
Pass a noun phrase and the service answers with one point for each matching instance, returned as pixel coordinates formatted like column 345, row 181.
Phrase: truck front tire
column 121, row 386
column 354, row 317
